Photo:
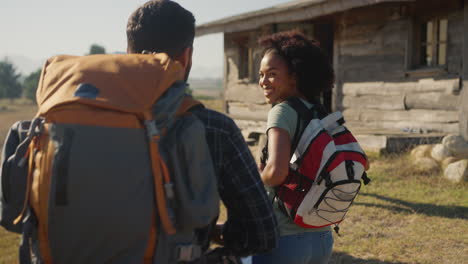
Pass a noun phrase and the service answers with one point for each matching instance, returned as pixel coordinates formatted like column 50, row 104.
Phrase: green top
column 284, row 116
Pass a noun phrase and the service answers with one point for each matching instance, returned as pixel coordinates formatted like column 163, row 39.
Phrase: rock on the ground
column 448, row 161
column 426, row 164
column 457, row 146
column 421, row 151
column 457, row 171
column 440, row 152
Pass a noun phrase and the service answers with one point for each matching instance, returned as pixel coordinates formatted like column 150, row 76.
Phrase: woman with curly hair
column 292, row 66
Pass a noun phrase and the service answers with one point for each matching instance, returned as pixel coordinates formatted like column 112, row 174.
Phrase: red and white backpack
column 326, row 169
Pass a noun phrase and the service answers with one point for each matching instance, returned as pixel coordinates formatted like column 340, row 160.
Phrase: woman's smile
column 275, row 80
column 267, row 92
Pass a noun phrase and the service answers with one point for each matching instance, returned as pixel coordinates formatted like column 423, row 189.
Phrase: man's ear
column 186, row 57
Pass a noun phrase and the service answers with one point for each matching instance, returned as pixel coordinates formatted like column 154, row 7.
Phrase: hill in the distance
column 206, row 87
column 206, row 83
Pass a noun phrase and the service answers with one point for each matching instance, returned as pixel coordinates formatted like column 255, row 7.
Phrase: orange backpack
column 98, row 185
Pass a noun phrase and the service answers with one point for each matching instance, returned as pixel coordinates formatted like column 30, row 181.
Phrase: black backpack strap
column 264, row 156
column 304, row 115
column 303, row 112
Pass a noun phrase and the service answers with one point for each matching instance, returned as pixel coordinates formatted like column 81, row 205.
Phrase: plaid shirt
column 251, row 227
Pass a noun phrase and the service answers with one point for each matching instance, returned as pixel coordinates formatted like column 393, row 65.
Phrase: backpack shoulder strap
column 304, row 115
column 188, row 103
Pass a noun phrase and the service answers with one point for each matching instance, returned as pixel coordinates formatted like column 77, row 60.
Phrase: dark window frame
column 420, row 56
column 243, row 67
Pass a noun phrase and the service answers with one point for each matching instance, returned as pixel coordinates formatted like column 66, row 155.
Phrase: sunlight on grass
column 8, row 247
column 405, row 216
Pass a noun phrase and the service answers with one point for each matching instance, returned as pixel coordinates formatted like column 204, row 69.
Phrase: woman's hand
column 217, row 234
column 261, row 167
column 279, row 148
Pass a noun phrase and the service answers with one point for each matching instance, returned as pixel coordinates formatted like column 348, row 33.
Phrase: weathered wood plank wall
column 243, row 88
column 378, row 90
column 243, row 96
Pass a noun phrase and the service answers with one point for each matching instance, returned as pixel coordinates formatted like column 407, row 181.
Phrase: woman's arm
column 279, row 148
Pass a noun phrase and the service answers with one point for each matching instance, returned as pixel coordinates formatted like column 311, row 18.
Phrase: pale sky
column 33, row 30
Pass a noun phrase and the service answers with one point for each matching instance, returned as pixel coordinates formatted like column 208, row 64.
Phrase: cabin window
column 245, row 62
column 432, row 43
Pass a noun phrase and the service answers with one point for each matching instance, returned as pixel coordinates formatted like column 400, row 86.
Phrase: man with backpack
column 119, row 166
column 165, row 26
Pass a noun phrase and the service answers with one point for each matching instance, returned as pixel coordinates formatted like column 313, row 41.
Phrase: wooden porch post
column 464, row 95
column 337, row 94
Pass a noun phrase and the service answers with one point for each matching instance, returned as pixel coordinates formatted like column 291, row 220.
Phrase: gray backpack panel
column 13, row 176
column 188, row 158
column 101, row 198
column 196, row 205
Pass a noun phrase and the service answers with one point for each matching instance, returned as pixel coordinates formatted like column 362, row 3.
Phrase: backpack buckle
column 188, row 253
column 169, row 191
column 325, row 175
column 365, row 178
column 37, row 125
column 151, row 130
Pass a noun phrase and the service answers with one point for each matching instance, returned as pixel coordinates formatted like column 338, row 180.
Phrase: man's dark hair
column 160, row 26
column 305, row 59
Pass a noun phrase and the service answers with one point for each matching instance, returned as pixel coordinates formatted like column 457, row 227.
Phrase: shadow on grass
column 420, row 208
column 343, row 258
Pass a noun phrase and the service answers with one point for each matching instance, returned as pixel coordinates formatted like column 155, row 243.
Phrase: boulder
column 421, row 151
column 426, row 164
column 440, row 152
column 457, row 146
column 448, row 161
column 457, row 171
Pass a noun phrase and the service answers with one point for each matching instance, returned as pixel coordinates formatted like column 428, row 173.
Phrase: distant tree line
column 12, row 85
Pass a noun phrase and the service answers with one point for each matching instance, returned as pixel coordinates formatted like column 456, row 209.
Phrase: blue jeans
column 302, row 248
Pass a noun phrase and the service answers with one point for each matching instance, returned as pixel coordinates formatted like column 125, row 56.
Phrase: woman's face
column 275, row 80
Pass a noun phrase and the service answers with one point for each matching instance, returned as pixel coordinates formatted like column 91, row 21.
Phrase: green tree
column 30, row 85
column 96, row 49
column 10, row 87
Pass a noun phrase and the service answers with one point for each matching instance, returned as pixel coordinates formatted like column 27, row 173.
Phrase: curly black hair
column 305, row 59
column 160, row 26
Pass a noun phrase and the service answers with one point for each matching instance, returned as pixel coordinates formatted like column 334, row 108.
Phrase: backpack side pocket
column 13, row 176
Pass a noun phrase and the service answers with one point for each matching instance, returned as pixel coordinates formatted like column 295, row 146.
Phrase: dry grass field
column 403, row 216
column 10, row 112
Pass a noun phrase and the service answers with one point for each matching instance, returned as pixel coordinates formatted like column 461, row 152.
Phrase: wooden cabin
column 399, row 64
